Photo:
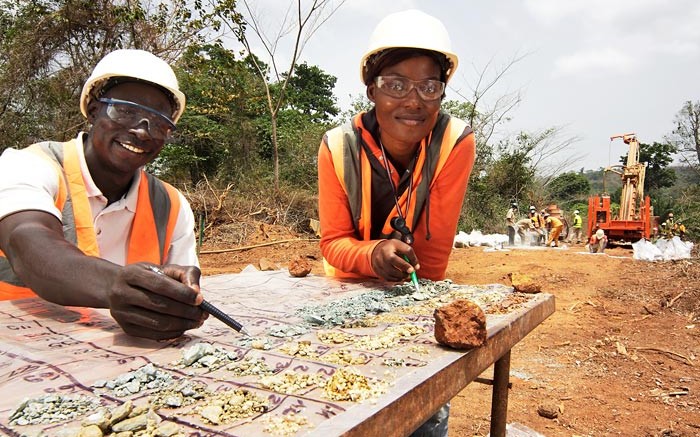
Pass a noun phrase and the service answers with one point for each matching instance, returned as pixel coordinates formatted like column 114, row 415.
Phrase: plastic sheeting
column 476, row 238
column 662, row 250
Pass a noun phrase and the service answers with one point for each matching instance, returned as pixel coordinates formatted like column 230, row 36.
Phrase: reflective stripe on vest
column 152, row 229
column 351, row 162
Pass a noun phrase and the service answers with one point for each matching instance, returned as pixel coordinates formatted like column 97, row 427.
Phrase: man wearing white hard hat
column 577, row 228
column 83, row 225
column 392, row 180
column 598, row 242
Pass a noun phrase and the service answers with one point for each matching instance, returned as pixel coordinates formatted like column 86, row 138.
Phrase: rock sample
column 460, row 325
column 299, row 267
column 524, row 283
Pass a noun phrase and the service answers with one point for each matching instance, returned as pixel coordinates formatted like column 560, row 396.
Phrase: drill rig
column 633, row 222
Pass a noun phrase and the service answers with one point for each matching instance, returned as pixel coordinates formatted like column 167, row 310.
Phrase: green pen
column 414, row 277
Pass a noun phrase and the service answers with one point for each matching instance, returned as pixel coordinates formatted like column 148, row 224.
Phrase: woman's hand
column 388, row 260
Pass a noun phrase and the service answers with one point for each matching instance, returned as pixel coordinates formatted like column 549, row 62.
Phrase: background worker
column 539, row 225
column 81, row 222
column 510, row 223
column 543, row 214
column 525, row 230
column 680, row 230
column 555, row 227
column 598, row 242
column 392, row 181
column 670, row 221
column 576, row 229
column 666, row 231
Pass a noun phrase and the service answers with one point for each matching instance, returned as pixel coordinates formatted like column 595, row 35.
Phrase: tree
column 658, row 157
column 48, row 48
column 310, row 91
column 686, row 134
column 303, row 25
column 569, row 187
column 224, row 98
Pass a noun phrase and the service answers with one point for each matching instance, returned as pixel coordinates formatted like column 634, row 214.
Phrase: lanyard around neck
column 399, row 223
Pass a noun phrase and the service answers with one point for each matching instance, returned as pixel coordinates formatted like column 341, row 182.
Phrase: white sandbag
column 645, row 250
column 663, row 249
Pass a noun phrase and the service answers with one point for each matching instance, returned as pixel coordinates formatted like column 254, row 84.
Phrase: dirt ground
column 618, row 357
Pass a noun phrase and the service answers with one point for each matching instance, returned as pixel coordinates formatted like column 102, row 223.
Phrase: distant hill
column 603, row 182
column 685, row 176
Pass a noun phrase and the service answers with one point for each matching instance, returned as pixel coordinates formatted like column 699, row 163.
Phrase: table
column 48, row 349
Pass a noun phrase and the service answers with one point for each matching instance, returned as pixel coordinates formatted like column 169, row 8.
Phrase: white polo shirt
column 28, row 182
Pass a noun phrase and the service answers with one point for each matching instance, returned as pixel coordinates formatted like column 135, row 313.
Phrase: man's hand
column 155, row 305
column 388, row 262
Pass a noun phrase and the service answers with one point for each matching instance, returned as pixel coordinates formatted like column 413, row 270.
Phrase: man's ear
column 371, row 89
column 93, row 108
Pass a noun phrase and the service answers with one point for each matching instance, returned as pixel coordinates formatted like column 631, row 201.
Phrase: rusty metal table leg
column 499, row 398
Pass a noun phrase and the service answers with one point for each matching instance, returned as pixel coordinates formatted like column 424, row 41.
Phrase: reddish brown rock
column 460, row 325
column 299, row 267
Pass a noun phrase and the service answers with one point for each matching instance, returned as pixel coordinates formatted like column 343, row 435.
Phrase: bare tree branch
column 306, row 24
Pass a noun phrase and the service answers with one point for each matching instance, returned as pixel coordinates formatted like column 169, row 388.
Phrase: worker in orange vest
column 598, row 242
column 539, row 224
column 83, row 225
column 555, row 227
column 392, row 180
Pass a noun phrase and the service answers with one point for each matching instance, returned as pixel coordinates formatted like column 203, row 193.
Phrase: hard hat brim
column 451, row 57
column 98, row 81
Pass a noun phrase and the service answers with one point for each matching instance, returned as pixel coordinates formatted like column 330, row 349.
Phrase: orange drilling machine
column 633, row 221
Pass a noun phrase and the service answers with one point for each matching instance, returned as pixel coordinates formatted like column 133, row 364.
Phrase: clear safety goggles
column 130, row 114
column 399, row 87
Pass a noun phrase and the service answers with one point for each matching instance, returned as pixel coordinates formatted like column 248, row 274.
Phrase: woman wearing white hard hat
column 392, row 180
column 81, row 222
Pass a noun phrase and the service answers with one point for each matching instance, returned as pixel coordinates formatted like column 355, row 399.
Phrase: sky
column 594, row 69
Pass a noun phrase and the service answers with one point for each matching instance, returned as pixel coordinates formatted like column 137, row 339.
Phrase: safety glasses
column 130, row 114
column 399, row 87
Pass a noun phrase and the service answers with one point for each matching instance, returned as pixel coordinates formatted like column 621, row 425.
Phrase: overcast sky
column 597, row 68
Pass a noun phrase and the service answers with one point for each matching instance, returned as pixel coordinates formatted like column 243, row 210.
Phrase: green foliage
column 511, row 174
column 310, row 91
column 568, row 189
column 42, row 72
column 484, row 208
column 687, row 211
column 658, row 157
column 216, row 135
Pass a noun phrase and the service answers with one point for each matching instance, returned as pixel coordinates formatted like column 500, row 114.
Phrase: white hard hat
column 599, row 233
column 413, row 29
column 136, row 64
column 576, row 211
column 532, row 208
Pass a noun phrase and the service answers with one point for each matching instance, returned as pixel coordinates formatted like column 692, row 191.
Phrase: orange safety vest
column 351, row 162
column 156, row 213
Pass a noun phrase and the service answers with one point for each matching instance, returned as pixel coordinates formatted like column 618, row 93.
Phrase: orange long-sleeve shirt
column 346, row 251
